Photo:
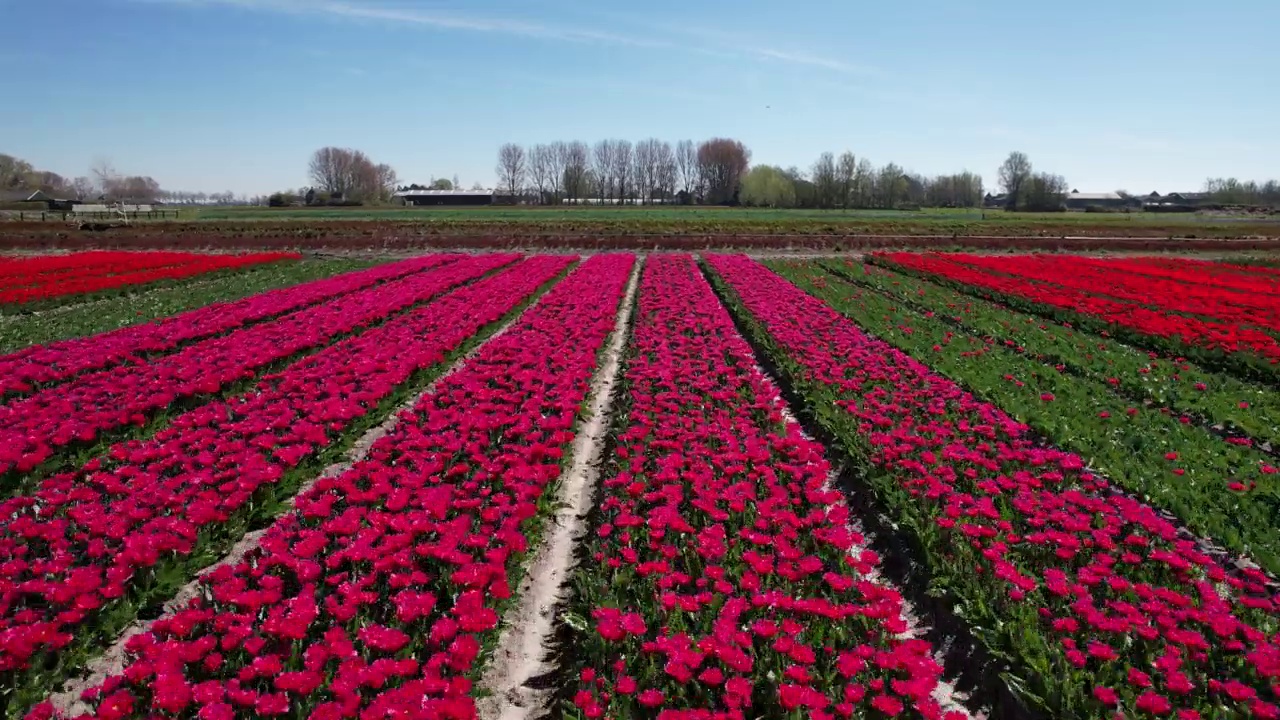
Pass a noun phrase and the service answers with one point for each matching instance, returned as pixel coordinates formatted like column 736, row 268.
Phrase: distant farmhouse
column 447, row 197
column 1077, row 200
column 1175, row 202
column 1155, row 202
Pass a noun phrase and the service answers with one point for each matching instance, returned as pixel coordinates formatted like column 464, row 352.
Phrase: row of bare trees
column 1231, row 191
column 619, row 171
column 715, row 172
column 348, row 175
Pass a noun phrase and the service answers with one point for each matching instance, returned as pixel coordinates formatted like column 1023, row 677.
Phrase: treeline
column 103, row 183
column 1230, row 191
column 718, row 172
column 618, row 171
column 847, row 182
column 1026, row 189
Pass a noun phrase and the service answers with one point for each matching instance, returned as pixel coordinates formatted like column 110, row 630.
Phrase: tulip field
column 30, row 279
column 657, row 485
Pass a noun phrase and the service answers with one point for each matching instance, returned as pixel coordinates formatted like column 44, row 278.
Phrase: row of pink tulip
column 39, row 365
column 33, row 428
column 375, row 596
column 1099, row 603
column 89, row 547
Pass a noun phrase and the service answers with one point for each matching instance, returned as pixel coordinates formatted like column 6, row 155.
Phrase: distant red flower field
column 26, row 280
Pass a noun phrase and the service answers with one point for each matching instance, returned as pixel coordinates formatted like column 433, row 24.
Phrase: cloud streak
column 429, row 19
column 793, row 58
column 708, row 43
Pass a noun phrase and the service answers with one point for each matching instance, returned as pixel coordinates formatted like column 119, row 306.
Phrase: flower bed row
column 197, row 265
column 83, row 553
column 33, row 428
column 1097, row 603
column 1118, row 279
column 1199, row 275
column 154, row 306
column 375, row 597
column 1217, row 267
column 30, row 368
column 20, row 271
column 89, row 273
column 1243, row 410
column 719, row 577
column 1249, row 351
column 1224, row 491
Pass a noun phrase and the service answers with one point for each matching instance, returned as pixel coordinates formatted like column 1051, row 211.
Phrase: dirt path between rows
column 112, row 661
column 521, row 654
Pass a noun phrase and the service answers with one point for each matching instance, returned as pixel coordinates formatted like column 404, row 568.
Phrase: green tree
column 768, row 186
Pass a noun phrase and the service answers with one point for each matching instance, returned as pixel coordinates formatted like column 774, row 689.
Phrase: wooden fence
column 58, row 215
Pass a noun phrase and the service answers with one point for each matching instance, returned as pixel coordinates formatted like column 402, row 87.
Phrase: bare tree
column 665, row 165
column 1014, row 174
column 331, row 170
column 540, row 169
column 721, row 164
column 351, row 175
column 687, row 166
column 864, row 184
column 82, row 188
column 648, row 156
column 511, row 168
column 824, row 180
column 577, row 171
column 14, row 172
column 559, row 159
column 387, row 181
column 602, row 168
column 891, row 186
column 846, row 169
column 623, row 168
column 104, row 173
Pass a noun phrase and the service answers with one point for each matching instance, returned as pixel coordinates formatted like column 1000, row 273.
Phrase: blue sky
column 235, row 94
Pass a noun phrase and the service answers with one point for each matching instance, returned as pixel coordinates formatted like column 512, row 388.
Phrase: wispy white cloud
column 800, row 58
column 707, row 42
column 427, row 18
column 735, row 45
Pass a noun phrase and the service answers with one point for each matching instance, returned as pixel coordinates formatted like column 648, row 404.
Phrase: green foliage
column 768, row 186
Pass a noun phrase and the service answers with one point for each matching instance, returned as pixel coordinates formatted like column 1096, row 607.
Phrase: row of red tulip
column 36, row 287
column 1202, row 274
column 14, row 269
column 376, row 595
column 1223, row 268
column 90, row 547
column 42, row 365
column 1119, row 279
column 1099, row 604
column 32, row 429
column 150, row 261
column 721, row 577
column 1181, row 334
